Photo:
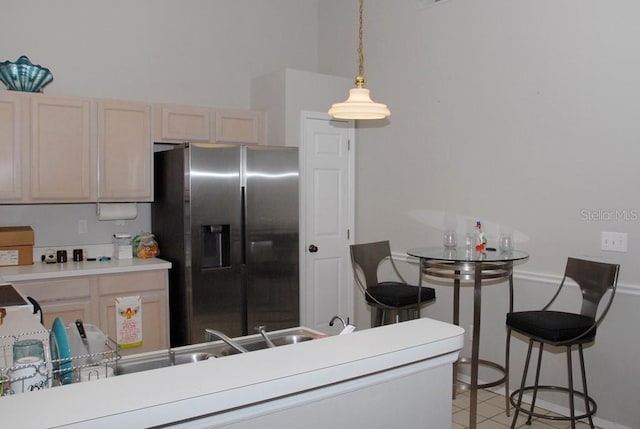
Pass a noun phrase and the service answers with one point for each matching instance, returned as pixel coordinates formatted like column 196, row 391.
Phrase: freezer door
column 216, row 230
column 272, row 237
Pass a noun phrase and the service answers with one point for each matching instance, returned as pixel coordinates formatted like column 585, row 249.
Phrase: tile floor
column 491, row 414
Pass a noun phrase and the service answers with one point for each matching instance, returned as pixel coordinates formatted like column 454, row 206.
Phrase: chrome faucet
column 212, row 333
column 261, row 330
column 334, row 318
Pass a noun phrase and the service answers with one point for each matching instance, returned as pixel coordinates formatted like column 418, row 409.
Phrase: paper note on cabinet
column 129, row 321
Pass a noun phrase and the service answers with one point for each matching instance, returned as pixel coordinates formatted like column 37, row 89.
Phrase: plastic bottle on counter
column 122, row 246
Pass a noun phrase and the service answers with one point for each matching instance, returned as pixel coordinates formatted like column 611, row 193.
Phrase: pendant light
column 359, row 104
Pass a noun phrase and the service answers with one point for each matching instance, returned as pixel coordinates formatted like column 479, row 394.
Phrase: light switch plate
column 613, row 241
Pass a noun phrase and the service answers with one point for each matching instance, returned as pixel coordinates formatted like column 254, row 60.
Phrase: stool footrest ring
column 514, row 401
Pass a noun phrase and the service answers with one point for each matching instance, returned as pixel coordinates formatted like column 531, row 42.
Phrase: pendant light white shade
column 359, row 106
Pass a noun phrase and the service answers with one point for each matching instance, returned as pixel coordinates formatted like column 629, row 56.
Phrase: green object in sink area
column 212, row 349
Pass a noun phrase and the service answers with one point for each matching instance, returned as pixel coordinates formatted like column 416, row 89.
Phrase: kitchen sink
column 260, row 343
column 212, row 349
column 146, row 363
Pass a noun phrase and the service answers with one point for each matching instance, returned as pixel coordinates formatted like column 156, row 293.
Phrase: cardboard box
column 16, row 245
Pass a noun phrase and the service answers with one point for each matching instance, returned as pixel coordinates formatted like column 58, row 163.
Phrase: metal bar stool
column 564, row 329
column 397, row 296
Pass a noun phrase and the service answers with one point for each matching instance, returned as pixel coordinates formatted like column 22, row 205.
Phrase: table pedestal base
column 462, row 385
column 472, row 266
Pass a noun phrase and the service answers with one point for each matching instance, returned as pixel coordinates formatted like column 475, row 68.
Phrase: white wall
column 178, row 51
column 519, row 114
column 286, row 93
column 173, row 51
column 522, row 114
column 56, row 225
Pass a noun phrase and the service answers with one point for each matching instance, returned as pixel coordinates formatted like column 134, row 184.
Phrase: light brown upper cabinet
column 125, row 151
column 46, row 149
column 239, row 126
column 56, row 149
column 177, row 124
column 62, row 161
column 11, row 123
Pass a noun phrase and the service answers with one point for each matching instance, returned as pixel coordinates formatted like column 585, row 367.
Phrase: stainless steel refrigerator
column 226, row 217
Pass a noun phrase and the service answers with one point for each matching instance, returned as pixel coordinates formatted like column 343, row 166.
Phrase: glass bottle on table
column 481, row 239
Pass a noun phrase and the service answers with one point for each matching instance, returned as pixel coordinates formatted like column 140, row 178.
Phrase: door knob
column 313, row 248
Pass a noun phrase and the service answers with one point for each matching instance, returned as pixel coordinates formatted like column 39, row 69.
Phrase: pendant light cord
column 360, row 79
column 359, row 104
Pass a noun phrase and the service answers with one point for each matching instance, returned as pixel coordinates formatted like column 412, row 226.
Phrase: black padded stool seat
column 552, row 326
column 396, row 294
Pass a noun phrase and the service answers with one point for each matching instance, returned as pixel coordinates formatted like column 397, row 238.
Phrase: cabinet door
column 125, row 151
column 11, row 120
column 152, row 287
column 153, row 318
column 62, row 158
column 68, row 311
column 68, row 298
column 239, row 126
column 176, row 124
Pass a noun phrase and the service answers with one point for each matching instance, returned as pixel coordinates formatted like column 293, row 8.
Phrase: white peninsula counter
column 392, row 376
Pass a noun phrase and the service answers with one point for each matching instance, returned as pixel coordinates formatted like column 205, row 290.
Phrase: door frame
column 350, row 221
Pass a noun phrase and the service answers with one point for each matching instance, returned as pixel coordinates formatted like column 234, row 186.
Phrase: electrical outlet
column 82, row 226
column 613, row 241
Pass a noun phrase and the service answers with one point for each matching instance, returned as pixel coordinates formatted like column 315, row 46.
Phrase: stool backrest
column 594, row 280
column 368, row 256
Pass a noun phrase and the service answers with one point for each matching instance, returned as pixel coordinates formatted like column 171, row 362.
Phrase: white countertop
column 181, row 392
column 42, row 271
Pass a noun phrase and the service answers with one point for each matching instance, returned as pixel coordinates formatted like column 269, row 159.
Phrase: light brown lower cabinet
column 155, row 306
column 92, row 299
column 68, row 298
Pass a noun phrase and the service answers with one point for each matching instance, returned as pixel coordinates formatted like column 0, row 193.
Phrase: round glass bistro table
column 460, row 264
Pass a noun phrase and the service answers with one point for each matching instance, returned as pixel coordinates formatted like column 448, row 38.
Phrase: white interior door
column 328, row 218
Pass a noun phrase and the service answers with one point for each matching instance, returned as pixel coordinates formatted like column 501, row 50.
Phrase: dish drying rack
column 54, row 369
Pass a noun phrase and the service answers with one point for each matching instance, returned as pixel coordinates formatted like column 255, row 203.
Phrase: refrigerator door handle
column 243, row 223
column 243, row 167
